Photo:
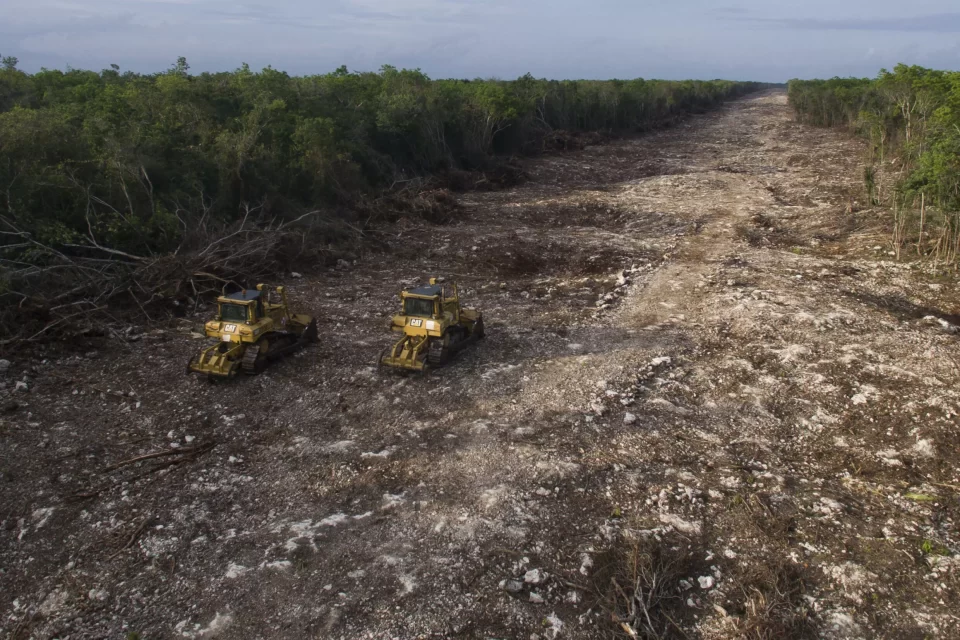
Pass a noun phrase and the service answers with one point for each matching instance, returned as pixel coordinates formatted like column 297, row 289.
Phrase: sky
column 765, row 40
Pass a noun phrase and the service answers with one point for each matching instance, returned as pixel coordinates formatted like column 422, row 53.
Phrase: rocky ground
column 710, row 404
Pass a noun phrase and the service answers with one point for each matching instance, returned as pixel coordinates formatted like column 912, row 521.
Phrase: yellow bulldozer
column 251, row 330
column 434, row 326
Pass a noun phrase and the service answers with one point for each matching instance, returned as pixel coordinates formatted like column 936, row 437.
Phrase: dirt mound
column 561, row 140
column 507, row 173
column 435, row 206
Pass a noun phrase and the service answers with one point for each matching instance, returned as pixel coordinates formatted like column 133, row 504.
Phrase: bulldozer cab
column 431, row 301
column 244, row 306
column 422, row 302
column 233, row 312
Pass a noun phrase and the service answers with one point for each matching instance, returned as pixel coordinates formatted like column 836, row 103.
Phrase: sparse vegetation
column 931, row 548
column 651, row 590
column 646, row 584
column 912, row 118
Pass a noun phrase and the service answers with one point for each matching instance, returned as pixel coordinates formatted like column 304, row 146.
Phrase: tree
column 181, row 67
column 912, row 115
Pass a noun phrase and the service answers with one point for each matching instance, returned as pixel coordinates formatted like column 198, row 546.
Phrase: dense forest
column 101, row 172
column 912, row 118
column 127, row 154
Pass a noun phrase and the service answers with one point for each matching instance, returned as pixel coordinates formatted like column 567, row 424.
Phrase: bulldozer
column 434, row 326
column 251, row 330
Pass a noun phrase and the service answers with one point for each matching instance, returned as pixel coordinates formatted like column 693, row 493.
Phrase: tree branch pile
column 416, row 198
column 52, row 290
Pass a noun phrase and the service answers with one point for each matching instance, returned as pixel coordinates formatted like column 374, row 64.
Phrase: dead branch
column 133, row 538
column 56, row 287
column 241, row 229
column 186, row 452
column 114, row 252
column 296, row 220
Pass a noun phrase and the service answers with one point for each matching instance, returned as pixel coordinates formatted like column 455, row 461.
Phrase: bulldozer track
column 251, row 363
column 255, row 360
column 437, row 353
column 310, row 335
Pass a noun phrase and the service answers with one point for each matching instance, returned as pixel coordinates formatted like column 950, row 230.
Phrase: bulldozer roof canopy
column 243, row 296
column 426, row 291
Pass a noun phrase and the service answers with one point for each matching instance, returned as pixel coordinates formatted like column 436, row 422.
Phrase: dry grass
column 642, row 585
column 770, row 603
column 649, row 585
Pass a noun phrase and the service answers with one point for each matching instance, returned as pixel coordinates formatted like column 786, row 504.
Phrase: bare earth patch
column 709, row 405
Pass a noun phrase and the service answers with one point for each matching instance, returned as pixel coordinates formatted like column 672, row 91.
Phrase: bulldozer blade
column 404, row 363
column 408, row 354
column 213, row 363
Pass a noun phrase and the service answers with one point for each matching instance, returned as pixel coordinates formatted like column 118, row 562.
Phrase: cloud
column 749, row 39
column 727, row 11
column 937, row 23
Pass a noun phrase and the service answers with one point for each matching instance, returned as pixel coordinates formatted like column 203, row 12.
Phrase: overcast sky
column 770, row 40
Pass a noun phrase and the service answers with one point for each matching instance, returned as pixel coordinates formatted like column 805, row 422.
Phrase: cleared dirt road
column 700, row 363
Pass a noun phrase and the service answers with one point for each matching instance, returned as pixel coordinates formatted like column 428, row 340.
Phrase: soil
column 697, row 344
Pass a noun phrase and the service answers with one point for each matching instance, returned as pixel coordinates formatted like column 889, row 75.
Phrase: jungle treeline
column 911, row 116
column 133, row 158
